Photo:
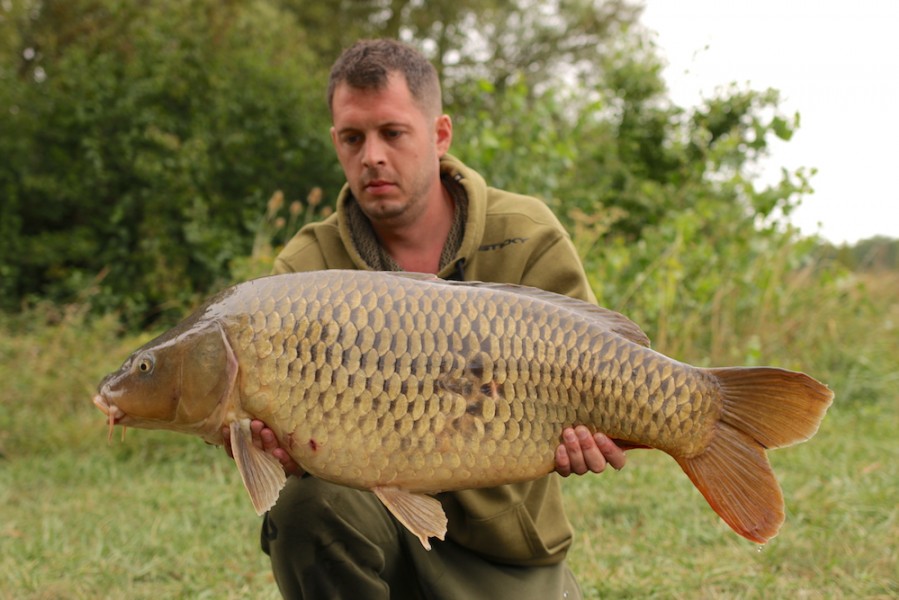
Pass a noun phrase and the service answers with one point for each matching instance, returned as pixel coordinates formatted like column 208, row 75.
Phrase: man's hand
column 264, row 438
column 580, row 452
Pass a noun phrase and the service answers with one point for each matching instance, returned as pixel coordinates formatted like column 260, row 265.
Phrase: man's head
column 389, row 132
column 368, row 64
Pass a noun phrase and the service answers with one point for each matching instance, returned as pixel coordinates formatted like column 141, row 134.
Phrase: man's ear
column 443, row 127
column 334, row 136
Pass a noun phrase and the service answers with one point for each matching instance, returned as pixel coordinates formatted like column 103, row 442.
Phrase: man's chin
column 380, row 208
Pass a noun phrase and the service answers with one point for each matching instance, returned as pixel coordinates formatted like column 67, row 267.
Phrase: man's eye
column 392, row 134
column 352, row 140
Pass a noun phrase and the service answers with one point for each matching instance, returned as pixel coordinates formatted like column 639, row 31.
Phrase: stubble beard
column 395, row 211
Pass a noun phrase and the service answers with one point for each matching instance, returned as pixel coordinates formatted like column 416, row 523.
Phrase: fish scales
column 471, row 379
column 409, row 385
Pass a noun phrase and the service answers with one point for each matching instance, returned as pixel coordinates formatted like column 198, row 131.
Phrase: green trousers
column 328, row 541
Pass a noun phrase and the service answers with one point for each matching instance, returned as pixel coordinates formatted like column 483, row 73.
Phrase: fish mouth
column 114, row 414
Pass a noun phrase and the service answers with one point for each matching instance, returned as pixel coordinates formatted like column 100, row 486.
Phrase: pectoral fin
column 421, row 514
column 262, row 473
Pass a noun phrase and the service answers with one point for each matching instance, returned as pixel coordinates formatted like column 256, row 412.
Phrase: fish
column 407, row 385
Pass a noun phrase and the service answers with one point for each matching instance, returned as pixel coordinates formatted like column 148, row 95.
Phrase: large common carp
column 409, row 385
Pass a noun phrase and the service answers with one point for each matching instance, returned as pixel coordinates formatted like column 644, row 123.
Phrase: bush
column 141, row 143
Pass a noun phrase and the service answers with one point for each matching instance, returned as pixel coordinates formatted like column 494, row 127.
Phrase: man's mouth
column 378, row 185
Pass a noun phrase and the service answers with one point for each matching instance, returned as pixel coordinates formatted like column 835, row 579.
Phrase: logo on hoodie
column 502, row 244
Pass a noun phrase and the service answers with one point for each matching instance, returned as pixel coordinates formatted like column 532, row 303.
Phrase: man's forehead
column 388, row 104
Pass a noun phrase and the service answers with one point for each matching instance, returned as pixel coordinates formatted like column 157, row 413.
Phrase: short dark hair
column 367, row 64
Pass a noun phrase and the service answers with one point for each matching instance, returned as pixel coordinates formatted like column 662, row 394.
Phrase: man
column 408, row 205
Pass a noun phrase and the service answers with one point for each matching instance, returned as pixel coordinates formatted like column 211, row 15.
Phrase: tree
column 145, row 140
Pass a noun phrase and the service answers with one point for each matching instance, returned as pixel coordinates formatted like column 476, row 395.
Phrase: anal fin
column 421, row 514
column 262, row 473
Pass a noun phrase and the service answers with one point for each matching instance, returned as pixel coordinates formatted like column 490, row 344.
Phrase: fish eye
column 145, row 364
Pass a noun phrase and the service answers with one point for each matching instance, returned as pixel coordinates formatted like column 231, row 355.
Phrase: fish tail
column 762, row 408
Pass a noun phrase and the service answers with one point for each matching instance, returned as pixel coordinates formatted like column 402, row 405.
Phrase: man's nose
column 373, row 153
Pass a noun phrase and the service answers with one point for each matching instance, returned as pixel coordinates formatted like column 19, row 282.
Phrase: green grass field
column 165, row 516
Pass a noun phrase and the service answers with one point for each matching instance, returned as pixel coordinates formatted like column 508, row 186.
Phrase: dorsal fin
column 610, row 320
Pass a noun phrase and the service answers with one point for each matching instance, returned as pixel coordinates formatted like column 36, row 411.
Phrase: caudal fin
column 763, row 408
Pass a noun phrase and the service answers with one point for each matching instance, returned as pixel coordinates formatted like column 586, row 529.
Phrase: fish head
column 178, row 381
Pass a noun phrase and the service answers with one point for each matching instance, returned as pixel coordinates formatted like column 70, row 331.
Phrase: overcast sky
column 837, row 63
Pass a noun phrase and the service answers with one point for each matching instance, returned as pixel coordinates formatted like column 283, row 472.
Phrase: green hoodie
column 508, row 238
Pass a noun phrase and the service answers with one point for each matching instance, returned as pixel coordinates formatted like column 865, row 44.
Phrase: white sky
column 836, row 63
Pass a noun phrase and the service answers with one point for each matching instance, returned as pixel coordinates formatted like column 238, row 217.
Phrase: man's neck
column 418, row 246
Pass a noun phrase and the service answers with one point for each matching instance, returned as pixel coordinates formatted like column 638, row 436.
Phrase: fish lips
column 112, row 411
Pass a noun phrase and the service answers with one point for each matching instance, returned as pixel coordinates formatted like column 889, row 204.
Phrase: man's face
column 389, row 150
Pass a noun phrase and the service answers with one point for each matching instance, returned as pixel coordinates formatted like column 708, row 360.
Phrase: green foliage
column 144, row 141
column 495, row 40
column 275, row 228
column 141, row 141
column 505, row 135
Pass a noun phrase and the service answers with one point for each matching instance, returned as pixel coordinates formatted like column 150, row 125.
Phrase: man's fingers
column 581, row 451
column 269, row 441
column 563, row 465
column 612, row 453
column 256, row 428
column 593, row 459
column 576, row 458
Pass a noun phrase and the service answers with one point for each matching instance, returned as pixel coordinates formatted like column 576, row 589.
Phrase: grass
column 165, row 516
column 158, row 516
column 645, row 532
